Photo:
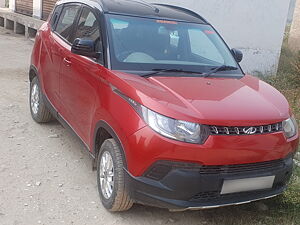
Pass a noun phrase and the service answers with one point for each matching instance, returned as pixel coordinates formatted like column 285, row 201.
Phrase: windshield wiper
column 220, row 68
column 158, row 71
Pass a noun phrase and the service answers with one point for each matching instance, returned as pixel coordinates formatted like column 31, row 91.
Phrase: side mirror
column 238, row 55
column 85, row 47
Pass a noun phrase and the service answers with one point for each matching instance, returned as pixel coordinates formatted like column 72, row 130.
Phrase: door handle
column 67, row 61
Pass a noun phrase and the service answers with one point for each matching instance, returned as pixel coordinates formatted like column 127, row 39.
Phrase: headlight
column 171, row 128
column 290, row 127
column 168, row 127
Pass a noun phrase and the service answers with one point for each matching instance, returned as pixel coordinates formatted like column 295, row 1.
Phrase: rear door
column 79, row 76
column 58, row 41
column 50, row 59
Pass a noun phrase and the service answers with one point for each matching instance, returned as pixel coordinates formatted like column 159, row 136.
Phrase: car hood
column 215, row 101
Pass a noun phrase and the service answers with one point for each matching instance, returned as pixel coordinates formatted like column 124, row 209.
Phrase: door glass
column 88, row 28
column 66, row 20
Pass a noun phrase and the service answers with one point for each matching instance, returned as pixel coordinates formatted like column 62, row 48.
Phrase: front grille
column 246, row 130
column 161, row 168
column 242, row 168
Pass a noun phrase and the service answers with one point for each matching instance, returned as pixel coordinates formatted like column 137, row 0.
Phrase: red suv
column 162, row 105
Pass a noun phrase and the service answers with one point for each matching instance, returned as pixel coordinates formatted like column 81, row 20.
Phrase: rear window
column 66, row 21
column 88, row 26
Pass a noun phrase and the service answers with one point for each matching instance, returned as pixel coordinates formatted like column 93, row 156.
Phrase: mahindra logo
column 249, row 130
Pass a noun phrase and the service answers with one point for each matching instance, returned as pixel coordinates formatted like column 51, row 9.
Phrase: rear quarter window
column 55, row 16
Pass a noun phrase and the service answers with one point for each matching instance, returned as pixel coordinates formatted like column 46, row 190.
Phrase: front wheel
column 113, row 189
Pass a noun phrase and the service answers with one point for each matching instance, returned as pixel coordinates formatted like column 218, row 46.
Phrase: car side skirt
column 65, row 123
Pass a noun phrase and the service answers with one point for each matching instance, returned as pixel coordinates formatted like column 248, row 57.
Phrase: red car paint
column 80, row 90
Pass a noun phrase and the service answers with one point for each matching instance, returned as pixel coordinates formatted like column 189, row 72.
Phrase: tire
column 39, row 111
column 119, row 199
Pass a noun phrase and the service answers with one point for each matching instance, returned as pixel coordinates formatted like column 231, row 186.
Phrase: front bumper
column 181, row 186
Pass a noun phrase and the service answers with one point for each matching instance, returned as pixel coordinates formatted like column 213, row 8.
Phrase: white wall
column 37, row 9
column 2, row 3
column 254, row 26
column 12, row 5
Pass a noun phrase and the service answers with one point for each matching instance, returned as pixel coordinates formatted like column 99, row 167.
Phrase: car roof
column 145, row 9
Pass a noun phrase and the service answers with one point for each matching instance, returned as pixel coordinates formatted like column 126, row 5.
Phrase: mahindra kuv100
column 162, row 105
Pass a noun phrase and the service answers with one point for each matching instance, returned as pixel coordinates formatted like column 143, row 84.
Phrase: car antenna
column 146, row 4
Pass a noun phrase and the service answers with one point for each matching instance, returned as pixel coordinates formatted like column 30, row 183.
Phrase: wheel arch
column 102, row 132
column 32, row 72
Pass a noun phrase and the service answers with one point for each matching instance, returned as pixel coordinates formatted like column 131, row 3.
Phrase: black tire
column 42, row 114
column 119, row 199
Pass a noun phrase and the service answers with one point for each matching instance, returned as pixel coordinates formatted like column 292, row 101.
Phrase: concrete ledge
column 20, row 24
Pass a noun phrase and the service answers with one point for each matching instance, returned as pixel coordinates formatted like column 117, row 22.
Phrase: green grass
column 287, row 79
column 284, row 209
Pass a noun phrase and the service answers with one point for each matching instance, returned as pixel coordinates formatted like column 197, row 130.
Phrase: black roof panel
column 142, row 8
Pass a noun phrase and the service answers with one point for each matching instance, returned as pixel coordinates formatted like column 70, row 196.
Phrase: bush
column 287, row 79
column 289, row 67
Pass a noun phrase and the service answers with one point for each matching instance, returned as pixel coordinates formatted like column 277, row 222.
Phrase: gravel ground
column 45, row 172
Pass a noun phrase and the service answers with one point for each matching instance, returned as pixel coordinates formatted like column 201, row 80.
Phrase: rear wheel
column 112, row 187
column 39, row 111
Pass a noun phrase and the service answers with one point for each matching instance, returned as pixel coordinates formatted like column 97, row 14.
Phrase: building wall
column 254, row 26
column 2, row 3
column 12, row 4
column 37, row 6
column 294, row 37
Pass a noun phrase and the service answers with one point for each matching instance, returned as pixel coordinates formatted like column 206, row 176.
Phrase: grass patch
column 285, row 209
column 282, row 210
column 288, row 78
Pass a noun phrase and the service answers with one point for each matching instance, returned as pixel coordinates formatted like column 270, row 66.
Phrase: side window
column 55, row 16
column 88, row 28
column 66, row 20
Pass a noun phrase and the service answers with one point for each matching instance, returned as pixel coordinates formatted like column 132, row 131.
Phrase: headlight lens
column 171, row 128
column 290, row 127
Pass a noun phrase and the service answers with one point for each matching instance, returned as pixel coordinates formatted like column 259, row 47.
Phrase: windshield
column 143, row 44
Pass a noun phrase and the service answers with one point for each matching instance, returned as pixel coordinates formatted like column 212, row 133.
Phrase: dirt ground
column 45, row 172
column 48, row 180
